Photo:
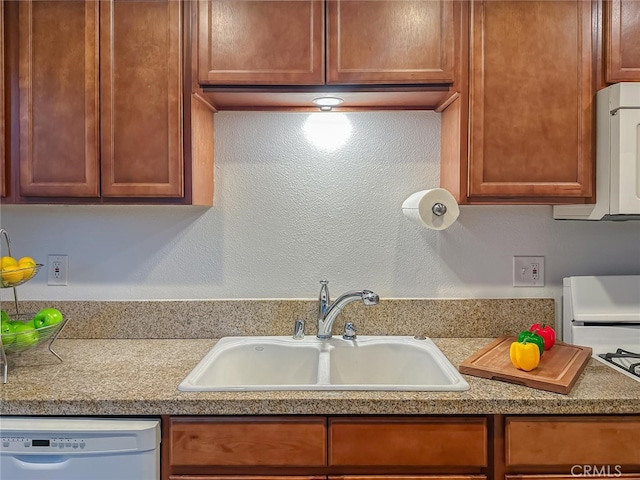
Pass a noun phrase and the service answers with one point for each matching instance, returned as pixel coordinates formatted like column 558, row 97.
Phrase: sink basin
column 282, row 363
column 380, row 361
column 247, row 363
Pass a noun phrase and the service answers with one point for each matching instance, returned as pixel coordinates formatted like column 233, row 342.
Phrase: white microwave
column 617, row 158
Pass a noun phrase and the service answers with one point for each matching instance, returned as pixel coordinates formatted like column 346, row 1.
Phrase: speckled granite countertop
column 140, row 377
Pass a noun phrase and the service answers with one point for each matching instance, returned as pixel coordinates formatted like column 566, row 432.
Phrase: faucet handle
column 298, row 329
column 349, row 331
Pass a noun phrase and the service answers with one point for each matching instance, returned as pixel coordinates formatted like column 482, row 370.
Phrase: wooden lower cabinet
column 567, row 446
column 318, row 447
column 420, row 447
column 561, row 443
column 579, row 472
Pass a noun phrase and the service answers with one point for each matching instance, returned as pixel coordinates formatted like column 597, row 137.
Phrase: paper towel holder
column 436, row 208
column 439, row 209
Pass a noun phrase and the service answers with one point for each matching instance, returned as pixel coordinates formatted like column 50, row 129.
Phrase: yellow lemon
column 27, row 260
column 8, row 262
column 28, row 266
column 11, row 274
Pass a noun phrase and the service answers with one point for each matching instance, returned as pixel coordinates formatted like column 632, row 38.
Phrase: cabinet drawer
column 406, row 441
column 407, row 477
column 248, row 441
column 606, row 472
column 568, row 441
column 248, row 477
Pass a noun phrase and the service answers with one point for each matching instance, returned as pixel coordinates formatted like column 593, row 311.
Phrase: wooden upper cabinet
column 58, row 69
column 531, row 90
column 393, row 42
column 101, row 100
column 622, row 40
column 141, row 98
column 3, row 165
column 253, row 42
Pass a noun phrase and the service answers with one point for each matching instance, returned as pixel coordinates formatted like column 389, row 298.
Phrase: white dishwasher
column 75, row 448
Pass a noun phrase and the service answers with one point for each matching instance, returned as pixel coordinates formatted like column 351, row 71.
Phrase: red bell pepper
column 547, row 333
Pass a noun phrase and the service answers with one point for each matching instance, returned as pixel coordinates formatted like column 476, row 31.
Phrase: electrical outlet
column 528, row 271
column 58, row 270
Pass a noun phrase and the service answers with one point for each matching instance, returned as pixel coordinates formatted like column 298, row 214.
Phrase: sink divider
column 324, row 366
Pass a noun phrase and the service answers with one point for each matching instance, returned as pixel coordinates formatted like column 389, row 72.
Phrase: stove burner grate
column 624, row 359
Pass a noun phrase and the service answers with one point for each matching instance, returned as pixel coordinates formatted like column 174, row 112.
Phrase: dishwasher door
column 39, row 448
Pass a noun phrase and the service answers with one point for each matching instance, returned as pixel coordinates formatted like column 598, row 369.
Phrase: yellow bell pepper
column 524, row 355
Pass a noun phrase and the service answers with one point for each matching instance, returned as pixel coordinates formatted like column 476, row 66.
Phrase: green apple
column 4, row 316
column 47, row 317
column 25, row 335
column 6, row 332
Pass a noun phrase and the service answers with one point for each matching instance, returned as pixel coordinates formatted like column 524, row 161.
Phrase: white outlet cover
column 62, row 276
column 525, row 273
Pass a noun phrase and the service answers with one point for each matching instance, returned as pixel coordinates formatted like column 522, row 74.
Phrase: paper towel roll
column 435, row 208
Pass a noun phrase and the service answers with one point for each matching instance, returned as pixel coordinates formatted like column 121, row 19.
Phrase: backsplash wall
column 288, row 213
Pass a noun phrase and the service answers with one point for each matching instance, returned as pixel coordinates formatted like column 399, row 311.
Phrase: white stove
column 603, row 312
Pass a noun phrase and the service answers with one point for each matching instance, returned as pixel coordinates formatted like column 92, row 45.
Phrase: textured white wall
column 288, row 213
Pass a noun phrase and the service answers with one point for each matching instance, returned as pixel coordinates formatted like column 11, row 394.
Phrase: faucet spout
column 323, row 299
column 326, row 321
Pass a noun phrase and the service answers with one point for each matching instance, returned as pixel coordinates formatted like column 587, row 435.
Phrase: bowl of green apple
column 22, row 332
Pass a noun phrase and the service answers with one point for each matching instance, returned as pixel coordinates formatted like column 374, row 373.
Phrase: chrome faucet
column 327, row 313
column 323, row 299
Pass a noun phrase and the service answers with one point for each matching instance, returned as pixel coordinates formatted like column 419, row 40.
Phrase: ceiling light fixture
column 327, row 103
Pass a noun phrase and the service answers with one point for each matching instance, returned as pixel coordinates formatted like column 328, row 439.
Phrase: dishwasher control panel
column 15, row 444
column 65, row 444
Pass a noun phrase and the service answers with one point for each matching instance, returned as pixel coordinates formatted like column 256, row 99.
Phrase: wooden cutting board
column 558, row 371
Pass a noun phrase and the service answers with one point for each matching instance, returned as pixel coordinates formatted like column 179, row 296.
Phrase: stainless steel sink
column 282, row 363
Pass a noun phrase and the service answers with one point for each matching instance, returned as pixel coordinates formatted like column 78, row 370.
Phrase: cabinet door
column 3, row 173
column 531, row 90
column 253, row 42
column 141, row 98
column 622, row 40
column 407, row 41
column 58, row 69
